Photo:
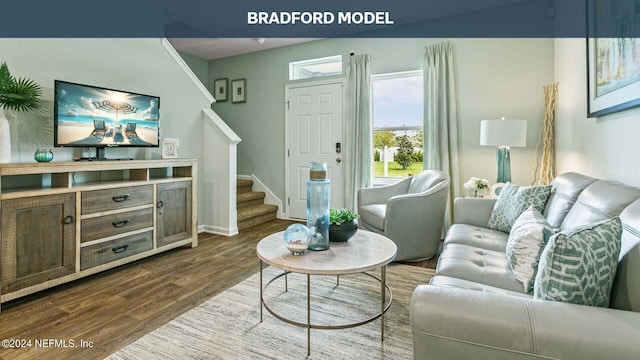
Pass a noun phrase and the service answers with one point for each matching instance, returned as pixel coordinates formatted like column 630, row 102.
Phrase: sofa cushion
column 373, row 215
column 446, row 281
column 513, row 200
column 528, row 236
column 476, row 236
column 600, row 201
column 566, row 189
column 579, row 265
column 625, row 294
column 479, row 265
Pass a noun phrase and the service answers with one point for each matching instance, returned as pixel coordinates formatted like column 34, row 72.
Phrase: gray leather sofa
column 474, row 308
column 409, row 212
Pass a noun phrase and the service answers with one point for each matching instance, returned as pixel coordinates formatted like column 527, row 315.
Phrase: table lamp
column 503, row 133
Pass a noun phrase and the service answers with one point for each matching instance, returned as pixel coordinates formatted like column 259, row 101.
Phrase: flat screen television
column 92, row 116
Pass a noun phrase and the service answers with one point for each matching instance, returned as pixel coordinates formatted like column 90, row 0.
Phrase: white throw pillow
column 528, row 236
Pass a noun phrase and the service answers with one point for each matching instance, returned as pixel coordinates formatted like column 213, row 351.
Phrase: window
column 397, row 125
column 326, row 66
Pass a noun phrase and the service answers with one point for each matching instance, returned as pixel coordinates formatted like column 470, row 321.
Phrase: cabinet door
column 174, row 212
column 38, row 240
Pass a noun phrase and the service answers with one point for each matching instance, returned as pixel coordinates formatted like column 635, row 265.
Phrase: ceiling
column 216, row 48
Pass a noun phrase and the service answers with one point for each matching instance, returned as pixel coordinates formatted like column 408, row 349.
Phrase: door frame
column 341, row 81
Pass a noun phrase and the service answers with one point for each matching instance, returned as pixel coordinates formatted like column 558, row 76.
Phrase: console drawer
column 108, row 225
column 118, row 198
column 117, row 249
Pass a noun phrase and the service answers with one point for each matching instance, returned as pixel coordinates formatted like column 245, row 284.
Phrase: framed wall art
column 221, row 89
column 239, row 90
column 613, row 63
column 169, row 148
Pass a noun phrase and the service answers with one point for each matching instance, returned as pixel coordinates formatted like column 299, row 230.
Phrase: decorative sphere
column 296, row 238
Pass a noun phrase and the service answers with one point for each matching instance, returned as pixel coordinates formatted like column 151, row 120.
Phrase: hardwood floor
column 112, row 309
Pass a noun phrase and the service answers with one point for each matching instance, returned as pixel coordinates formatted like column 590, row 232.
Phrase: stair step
column 243, row 185
column 248, row 199
column 256, row 215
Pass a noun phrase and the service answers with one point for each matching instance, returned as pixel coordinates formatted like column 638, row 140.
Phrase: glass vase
column 43, row 155
column 318, row 188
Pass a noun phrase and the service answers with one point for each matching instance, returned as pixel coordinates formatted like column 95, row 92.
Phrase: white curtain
column 358, row 136
column 440, row 117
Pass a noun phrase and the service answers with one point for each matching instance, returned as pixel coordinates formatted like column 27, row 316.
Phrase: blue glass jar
column 318, row 189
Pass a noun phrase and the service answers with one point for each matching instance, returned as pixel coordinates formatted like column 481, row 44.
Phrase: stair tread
column 249, row 195
column 244, row 182
column 255, row 211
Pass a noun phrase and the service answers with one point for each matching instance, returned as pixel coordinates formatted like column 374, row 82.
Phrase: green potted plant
column 17, row 94
column 343, row 224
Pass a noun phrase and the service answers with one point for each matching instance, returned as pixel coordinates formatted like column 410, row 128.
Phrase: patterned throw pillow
column 528, row 236
column 513, row 200
column 579, row 265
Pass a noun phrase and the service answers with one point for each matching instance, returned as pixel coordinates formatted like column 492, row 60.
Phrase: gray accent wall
column 495, row 78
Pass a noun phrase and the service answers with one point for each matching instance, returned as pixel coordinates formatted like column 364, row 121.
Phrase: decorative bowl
column 43, row 155
column 343, row 232
column 296, row 239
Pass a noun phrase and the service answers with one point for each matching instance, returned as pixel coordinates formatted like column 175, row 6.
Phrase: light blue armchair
column 409, row 212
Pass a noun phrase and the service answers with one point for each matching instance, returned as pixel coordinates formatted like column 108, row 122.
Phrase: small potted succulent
column 343, row 224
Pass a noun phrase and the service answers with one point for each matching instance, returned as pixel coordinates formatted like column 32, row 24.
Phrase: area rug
column 228, row 325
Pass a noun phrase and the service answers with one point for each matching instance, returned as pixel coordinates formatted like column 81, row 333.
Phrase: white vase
column 5, row 138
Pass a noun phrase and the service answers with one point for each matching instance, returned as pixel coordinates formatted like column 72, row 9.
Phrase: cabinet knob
column 69, row 219
column 160, row 204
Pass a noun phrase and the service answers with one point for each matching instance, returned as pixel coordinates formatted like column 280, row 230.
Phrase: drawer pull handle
column 121, row 223
column 120, row 198
column 69, row 219
column 120, row 249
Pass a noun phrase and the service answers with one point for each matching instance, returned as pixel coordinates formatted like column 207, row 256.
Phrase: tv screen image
column 91, row 116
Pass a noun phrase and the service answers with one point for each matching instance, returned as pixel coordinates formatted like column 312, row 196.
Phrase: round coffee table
column 365, row 251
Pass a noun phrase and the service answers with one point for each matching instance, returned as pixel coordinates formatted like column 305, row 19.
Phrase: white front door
column 314, row 134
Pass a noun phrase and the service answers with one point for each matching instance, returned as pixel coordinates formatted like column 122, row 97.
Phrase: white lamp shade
column 503, row 132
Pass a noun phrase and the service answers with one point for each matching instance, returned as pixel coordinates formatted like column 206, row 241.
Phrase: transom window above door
column 314, row 68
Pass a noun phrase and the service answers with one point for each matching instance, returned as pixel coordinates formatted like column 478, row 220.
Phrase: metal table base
column 384, row 305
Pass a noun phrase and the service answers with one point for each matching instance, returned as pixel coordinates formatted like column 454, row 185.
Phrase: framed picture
column 169, row 148
column 220, row 89
column 239, row 90
column 613, row 63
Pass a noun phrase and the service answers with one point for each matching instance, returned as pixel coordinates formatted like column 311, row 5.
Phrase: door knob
column 338, row 160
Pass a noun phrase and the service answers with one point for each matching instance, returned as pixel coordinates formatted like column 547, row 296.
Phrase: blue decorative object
column 318, row 188
column 43, row 155
column 296, row 238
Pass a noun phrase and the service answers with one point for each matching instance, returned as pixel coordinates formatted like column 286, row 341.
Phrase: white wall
column 607, row 147
column 137, row 65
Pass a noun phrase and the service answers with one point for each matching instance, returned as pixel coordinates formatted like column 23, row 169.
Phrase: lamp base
column 503, row 157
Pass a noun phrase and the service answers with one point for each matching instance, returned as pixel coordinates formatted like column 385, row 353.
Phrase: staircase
column 251, row 208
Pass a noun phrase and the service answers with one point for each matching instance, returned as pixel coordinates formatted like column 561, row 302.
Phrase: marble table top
column 363, row 252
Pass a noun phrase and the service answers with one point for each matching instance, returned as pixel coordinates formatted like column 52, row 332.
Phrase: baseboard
column 217, row 230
